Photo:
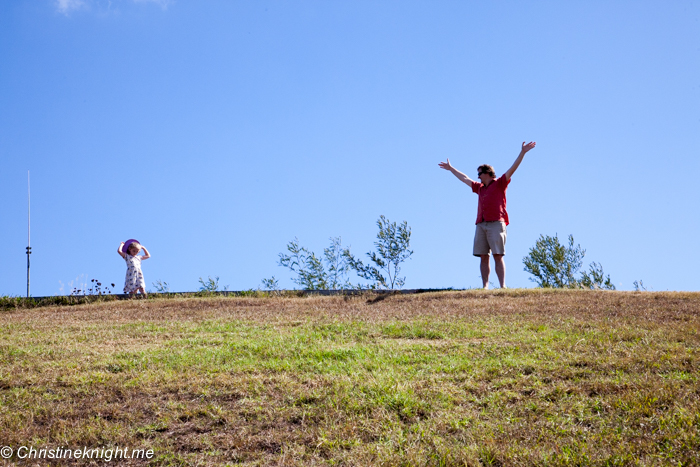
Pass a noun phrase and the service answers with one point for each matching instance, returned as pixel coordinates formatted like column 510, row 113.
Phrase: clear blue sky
column 217, row 131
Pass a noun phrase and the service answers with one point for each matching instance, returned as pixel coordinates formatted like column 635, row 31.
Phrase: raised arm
column 516, row 164
column 119, row 250
column 455, row 172
column 146, row 254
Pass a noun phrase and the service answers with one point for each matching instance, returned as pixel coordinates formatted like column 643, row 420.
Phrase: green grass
column 453, row 378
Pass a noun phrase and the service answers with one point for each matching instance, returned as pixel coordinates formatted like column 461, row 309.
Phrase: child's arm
column 119, row 250
column 146, row 254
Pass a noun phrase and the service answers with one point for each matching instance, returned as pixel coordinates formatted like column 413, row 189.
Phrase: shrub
column 393, row 243
column 164, row 287
column 555, row 266
column 210, row 285
column 314, row 273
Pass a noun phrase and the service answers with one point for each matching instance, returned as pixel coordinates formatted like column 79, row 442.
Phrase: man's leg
column 500, row 269
column 497, row 243
column 485, row 270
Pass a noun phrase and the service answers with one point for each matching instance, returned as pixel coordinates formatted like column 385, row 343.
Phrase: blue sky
column 217, row 131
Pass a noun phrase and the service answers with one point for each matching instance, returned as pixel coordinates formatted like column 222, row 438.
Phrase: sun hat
column 128, row 243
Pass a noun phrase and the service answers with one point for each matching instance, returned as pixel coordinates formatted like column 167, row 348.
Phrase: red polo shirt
column 492, row 200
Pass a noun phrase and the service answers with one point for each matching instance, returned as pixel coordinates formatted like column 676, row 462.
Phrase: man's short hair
column 487, row 169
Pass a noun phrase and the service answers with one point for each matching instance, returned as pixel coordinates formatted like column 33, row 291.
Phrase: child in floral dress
column 134, row 278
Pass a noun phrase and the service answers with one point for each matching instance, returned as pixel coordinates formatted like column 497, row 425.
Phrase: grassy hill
column 517, row 377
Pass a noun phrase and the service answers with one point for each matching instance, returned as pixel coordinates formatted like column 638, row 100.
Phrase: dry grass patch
column 518, row 377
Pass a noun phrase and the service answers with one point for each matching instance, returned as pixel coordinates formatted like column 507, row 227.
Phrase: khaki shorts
column 490, row 237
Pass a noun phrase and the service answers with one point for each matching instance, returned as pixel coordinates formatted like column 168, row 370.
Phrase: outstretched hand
column 528, row 146
column 445, row 165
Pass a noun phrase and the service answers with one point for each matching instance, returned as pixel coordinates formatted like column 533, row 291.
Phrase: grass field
column 506, row 378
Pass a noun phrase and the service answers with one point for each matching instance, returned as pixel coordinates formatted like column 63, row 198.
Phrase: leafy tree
column 552, row 263
column 317, row 273
column 393, row 243
column 555, row 266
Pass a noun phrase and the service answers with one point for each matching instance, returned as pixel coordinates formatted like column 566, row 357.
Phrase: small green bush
column 555, row 266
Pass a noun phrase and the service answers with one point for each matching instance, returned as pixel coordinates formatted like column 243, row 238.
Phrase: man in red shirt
column 491, row 217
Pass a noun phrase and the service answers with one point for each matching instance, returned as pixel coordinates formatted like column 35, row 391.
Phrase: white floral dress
column 134, row 278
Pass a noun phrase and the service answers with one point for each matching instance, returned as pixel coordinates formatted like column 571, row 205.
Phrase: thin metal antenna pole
column 29, row 230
